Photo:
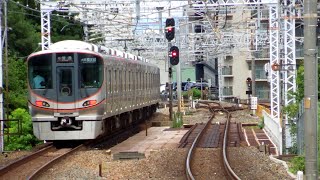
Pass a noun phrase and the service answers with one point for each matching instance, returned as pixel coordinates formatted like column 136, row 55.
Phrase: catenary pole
column 1, row 112
column 310, row 89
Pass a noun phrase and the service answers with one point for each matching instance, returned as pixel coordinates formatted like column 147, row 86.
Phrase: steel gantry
column 289, row 66
column 45, row 27
column 274, row 34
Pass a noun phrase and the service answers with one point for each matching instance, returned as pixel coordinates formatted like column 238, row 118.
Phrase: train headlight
column 42, row 104
column 89, row 103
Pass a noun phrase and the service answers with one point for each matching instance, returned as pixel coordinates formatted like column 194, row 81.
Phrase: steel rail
column 226, row 164
column 46, row 166
column 24, row 159
column 191, row 150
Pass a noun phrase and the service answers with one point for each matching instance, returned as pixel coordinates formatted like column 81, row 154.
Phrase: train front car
column 65, row 99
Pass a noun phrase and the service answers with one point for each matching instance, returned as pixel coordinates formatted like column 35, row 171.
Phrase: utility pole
column 178, row 75
column 310, row 89
column 253, row 70
column 160, row 9
column 1, row 122
column 2, row 40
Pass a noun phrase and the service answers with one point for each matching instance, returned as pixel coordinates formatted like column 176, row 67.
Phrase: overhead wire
column 113, row 20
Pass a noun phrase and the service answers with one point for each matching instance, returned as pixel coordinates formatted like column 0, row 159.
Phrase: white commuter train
column 87, row 90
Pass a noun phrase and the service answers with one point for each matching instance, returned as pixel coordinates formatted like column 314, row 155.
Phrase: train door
column 66, row 87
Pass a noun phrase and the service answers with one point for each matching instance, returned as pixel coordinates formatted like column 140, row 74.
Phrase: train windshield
column 90, row 71
column 59, row 76
column 39, row 72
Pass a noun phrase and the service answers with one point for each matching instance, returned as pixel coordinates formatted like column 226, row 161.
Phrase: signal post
column 173, row 57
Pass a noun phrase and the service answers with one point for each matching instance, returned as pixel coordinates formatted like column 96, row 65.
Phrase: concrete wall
column 274, row 131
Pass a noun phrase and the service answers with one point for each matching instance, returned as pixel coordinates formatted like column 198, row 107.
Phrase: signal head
column 170, row 22
column 174, row 55
column 169, row 29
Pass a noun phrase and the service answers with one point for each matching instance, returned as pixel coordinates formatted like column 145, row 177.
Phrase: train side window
column 125, row 81
column 109, row 80
column 142, row 79
column 149, row 84
column 115, row 81
column 129, row 80
column 145, row 80
column 141, row 82
column 137, row 79
column 120, row 80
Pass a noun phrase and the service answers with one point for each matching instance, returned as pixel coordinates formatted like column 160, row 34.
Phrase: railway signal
column 170, row 29
column 174, row 55
column 249, row 84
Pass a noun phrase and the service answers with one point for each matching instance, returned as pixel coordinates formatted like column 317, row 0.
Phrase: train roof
column 81, row 46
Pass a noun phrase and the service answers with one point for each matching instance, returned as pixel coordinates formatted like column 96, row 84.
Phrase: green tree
column 23, row 37
column 17, row 86
column 26, row 140
column 65, row 29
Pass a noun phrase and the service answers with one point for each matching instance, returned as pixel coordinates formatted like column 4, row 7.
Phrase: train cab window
column 39, row 72
column 91, row 71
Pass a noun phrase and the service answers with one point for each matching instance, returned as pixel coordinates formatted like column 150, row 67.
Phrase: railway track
column 208, row 135
column 29, row 167
column 33, row 165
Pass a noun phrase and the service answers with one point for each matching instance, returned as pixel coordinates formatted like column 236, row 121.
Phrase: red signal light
column 174, row 58
column 169, row 29
column 174, row 54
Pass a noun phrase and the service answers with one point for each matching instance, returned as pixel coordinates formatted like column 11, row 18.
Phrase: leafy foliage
column 261, row 123
column 26, row 140
column 297, row 164
column 17, row 85
column 300, row 84
column 24, row 38
column 177, row 120
column 194, row 92
column 63, row 29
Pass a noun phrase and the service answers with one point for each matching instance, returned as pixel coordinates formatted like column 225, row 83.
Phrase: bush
column 194, row 92
column 177, row 120
column 24, row 141
column 261, row 123
column 297, row 164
